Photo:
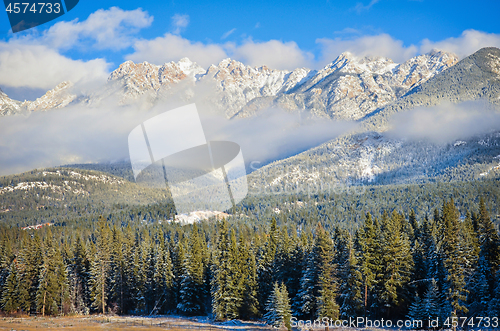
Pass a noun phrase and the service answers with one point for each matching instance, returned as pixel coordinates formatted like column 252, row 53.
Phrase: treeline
column 392, row 266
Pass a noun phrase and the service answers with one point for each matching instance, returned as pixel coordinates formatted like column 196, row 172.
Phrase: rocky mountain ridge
column 348, row 88
column 58, row 97
column 370, row 155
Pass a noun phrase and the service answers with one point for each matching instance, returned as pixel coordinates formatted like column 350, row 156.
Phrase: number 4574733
column 35, row 8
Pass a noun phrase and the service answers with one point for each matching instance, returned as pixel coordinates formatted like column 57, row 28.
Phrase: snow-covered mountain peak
column 349, row 87
column 190, row 68
column 422, row 67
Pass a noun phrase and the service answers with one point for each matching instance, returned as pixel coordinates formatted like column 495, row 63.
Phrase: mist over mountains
column 340, row 118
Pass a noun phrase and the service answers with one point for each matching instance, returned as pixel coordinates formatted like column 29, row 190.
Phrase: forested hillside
column 395, row 265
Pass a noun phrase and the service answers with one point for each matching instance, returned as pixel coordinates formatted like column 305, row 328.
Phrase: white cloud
column 171, row 47
column 446, row 122
column 379, row 45
column 274, row 54
column 34, row 60
column 104, row 29
column 360, row 7
column 38, row 66
column 469, row 42
column 180, row 22
column 228, row 33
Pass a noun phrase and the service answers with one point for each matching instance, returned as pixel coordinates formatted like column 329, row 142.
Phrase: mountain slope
column 475, row 77
column 374, row 157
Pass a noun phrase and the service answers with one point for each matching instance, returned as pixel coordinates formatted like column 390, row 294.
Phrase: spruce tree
column 266, row 264
column 163, row 276
column 489, row 241
column 250, row 304
column 397, row 262
column 367, row 241
column 351, row 286
column 454, row 262
column 191, row 298
column 9, row 295
column 225, row 297
column 327, row 280
column 100, row 267
column 278, row 311
column 52, row 280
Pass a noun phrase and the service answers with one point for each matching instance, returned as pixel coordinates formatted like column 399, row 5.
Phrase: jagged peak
column 346, row 55
column 230, row 62
column 62, row 85
column 186, row 60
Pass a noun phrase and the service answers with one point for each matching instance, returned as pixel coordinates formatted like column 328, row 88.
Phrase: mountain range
column 348, row 88
column 368, row 90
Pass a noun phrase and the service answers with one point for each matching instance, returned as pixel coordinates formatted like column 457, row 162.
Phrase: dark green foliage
column 278, row 311
column 132, row 261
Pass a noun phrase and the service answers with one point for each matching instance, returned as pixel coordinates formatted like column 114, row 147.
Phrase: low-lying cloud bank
column 446, row 122
column 85, row 135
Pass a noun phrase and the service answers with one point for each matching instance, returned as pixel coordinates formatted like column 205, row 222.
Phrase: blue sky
column 96, row 36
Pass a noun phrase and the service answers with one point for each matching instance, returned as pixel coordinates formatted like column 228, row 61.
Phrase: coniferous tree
column 118, row 277
column 454, row 261
column 9, row 295
column 369, row 258
column 278, row 311
column 489, row 241
column 266, row 264
column 225, row 298
column 300, row 263
column 163, row 277
column 327, row 280
column 494, row 305
column 351, row 286
column 318, row 284
column 52, row 283
column 250, row 303
column 100, row 266
column 191, row 298
column 416, row 310
column 397, row 264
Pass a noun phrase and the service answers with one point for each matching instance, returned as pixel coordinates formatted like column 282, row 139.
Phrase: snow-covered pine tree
column 489, row 241
column 278, row 311
column 163, row 276
column 9, row 295
column 350, row 290
column 299, row 257
column 191, row 292
column 454, row 261
column 369, row 257
column 327, row 280
column 416, row 310
column 52, row 280
column 494, row 306
column 225, row 296
column 397, row 262
column 99, row 268
column 431, row 303
column 480, row 295
column 266, row 264
column 250, row 303
column 78, row 278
